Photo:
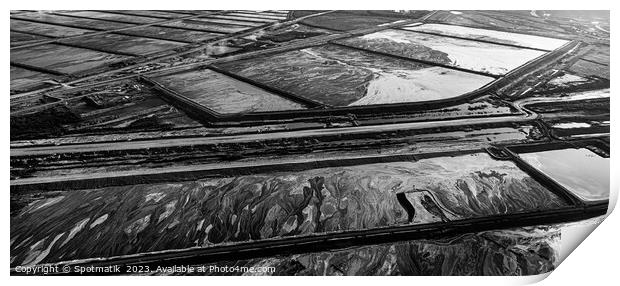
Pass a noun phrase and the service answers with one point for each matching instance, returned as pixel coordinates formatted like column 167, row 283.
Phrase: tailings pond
column 499, row 37
column 471, row 55
column 224, row 94
column 581, row 171
column 64, row 59
column 341, row 76
column 140, row 218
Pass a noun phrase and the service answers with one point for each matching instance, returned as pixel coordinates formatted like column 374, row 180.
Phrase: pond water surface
column 581, row 171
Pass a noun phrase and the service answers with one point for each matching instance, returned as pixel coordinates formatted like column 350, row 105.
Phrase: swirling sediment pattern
column 522, row 251
column 341, row 76
column 141, row 218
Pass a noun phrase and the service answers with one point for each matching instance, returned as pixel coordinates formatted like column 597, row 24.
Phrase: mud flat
column 149, row 13
column 422, row 85
column 343, row 21
column 80, row 22
column 23, row 79
column 211, row 27
column 259, row 16
column 242, row 19
column 64, row 59
column 499, row 37
column 140, row 218
column 188, row 24
column 586, row 68
column 224, row 94
column 115, row 17
column 172, row 34
column 126, row 44
column 471, row 55
column 519, row 251
column 46, row 29
column 208, row 21
column 22, row 37
column 512, row 21
column 599, row 54
column 581, row 171
column 341, row 76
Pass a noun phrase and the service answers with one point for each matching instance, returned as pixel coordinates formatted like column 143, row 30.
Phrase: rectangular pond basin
column 188, row 24
column 150, row 13
column 226, row 21
column 64, row 59
column 224, row 210
column 174, row 34
column 259, row 16
column 587, row 68
column 344, row 20
column 80, row 22
column 24, row 79
column 225, row 95
column 115, row 17
column 581, row 171
column 261, row 13
column 340, row 76
column 212, row 27
column 23, row 37
column 523, row 40
column 125, row 44
column 512, row 21
column 471, row 55
column 153, row 31
column 241, row 18
column 46, row 29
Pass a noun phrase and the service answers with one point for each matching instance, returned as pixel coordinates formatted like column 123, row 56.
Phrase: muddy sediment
column 471, row 55
column 214, row 211
column 224, row 94
column 330, row 132
column 487, row 253
column 341, row 76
